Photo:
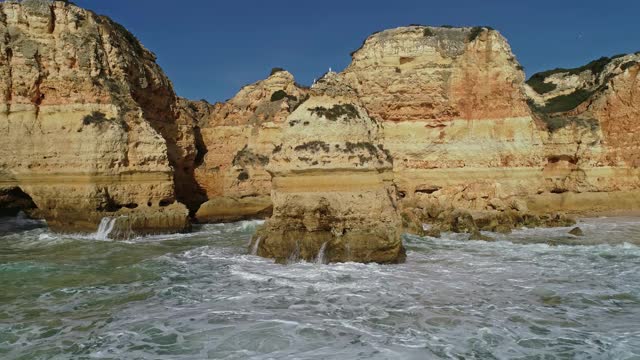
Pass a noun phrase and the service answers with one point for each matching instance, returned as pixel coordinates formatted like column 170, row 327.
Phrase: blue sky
column 210, row 49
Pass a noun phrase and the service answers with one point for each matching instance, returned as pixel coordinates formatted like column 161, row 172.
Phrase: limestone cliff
column 333, row 192
column 440, row 117
column 466, row 132
column 463, row 129
column 455, row 114
column 89, row 122
column 239, row 136
column 591, row 115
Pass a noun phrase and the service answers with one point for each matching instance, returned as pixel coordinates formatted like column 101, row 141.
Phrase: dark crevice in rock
column 429, row 190
column 557, row 158
column 201, row 147
column 166, row 202
column 37, row 95
column 9, row 92
column 52, row 19
column 13, row 200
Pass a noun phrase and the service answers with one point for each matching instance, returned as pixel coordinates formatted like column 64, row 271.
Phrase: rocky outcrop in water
column 89, row 122
column 333, row 190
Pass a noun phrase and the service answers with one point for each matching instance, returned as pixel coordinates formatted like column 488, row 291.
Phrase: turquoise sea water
column 200, row 295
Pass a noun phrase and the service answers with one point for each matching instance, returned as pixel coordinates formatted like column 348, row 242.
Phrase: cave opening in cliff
column 13, row 200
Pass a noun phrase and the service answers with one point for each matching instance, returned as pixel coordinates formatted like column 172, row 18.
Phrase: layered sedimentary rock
column 239, row 136
column 440, row 117
column 591, row 116
column 333, row 192
column 89, row 122
column 467, row 137
column 456, row 119
column 465, row 131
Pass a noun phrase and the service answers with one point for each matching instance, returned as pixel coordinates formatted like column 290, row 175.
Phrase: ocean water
column 202, row 295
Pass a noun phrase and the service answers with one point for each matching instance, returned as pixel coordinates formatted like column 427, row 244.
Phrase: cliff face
column 239, row 137
column 425, row 120
column 462, row 127
column 333, row 192
column 455, row 114
column 591, row 116
column 420, row 73
column 89, row 123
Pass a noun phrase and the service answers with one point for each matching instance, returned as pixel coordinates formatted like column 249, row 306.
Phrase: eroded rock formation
column 239, row 137
column 426, row 124
column 89, row 122
column 333, row 187
column 591, row 140
column 473, row 147
column 455, row 115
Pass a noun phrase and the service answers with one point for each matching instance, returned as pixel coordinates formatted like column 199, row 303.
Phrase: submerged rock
column 576, row 232
column 332, row 184
column 477, row 235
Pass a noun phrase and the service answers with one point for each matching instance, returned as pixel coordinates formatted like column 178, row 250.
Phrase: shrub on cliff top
column 555, row 123
column 246, row 157
column 281, row 94
column 538, row 84
column 596, row 67
column 276, row 70
column 475, row 32
column 628, row 64
column 566, row 102
column 336, row 112
column 313, row 146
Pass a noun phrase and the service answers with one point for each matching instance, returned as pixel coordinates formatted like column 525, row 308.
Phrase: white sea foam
column 256, row 246
column 105, row 228
column 320, row 259
column 453, row 298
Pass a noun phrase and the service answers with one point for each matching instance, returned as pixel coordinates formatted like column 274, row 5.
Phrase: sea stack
column 332, row 184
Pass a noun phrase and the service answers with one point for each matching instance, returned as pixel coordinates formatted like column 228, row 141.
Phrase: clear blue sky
column 211, row 48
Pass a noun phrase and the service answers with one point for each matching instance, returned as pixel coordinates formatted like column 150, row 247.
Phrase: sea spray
column 294, row 257
column 254, row 250
column 321, row 254
column 105, row 228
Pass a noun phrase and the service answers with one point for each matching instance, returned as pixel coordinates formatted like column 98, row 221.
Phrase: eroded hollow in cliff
column 14, row 200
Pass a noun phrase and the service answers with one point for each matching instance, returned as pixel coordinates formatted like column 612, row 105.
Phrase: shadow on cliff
column 159, row 108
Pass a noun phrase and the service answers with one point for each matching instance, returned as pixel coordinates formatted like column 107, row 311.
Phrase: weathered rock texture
column 455, row 116
column 89, row 122
column 435, row 124
column 332, row 184
column 591, row 115
column 239, row 137
column 472, row 146
column 464, row 130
